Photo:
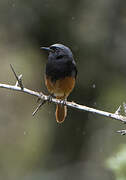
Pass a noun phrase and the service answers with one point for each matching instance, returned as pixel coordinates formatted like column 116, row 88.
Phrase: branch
column 67, row 103
column 45, row 98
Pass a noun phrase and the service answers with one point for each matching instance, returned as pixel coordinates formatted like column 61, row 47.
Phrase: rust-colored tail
column 61, row 112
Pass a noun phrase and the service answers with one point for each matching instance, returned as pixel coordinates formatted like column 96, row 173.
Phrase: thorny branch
column 44, row 98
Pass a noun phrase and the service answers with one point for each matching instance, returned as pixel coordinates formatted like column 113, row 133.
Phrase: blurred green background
column 85, row 146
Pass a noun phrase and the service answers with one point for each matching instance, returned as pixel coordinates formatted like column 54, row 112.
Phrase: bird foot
column 49, row 99
column 63, row 102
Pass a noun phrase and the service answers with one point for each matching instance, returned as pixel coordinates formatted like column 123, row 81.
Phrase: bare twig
column 19, row 78
column 69, row 104
column 74, row 105
column 41, row 104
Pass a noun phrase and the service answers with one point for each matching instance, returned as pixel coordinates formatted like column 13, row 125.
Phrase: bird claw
column 63, row 101
column 39, row 98
column 49, row 99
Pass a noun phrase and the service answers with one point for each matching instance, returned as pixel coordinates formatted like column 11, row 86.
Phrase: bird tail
column 61, row 112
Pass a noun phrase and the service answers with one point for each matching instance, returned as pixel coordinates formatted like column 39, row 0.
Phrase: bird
column 60, row 75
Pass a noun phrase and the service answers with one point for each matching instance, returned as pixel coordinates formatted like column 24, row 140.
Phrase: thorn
column 124, row 106
column 123, row 132
column 19, row 78
column 16, row 83
column 36, row 110
column 118, row 110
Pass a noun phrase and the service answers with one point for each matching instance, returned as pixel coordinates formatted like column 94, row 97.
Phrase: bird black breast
column 58, row 69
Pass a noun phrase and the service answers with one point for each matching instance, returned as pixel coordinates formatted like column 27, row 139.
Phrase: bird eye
column 53, row 48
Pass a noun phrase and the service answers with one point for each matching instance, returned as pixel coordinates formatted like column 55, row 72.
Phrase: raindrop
column 73, row 18
column 94, row 86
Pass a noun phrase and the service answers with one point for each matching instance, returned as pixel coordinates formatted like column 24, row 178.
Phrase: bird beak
column 46, row 49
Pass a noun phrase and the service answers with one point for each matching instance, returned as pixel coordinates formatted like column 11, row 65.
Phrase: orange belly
column 61, row 88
